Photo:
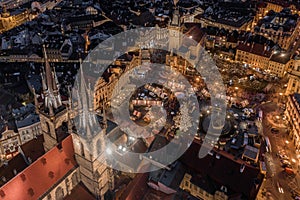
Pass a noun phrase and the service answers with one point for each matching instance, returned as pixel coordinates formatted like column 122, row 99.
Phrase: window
column 82, row 149
column 74, row 180
column 59, row 193
column 186, row 184
column 48, row 128
column 99, row 147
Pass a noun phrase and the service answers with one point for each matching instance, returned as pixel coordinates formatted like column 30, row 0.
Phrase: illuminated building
column 292, row 113
column 255, row 54
column 9, row 143
column 8, row 21
column 279, row 64
column 74, row 164
column 293, row 85
column 281, row 27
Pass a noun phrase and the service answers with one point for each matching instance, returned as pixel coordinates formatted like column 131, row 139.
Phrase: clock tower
column 174, row 30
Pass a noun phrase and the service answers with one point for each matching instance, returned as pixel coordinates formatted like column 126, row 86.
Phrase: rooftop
column 33, row 149
column 48, row 170
column 170, row 178
column 284, row 21
column 281, row 57
column 28, row 120
column 297, row 98
column 10, row 170
column 224, row 170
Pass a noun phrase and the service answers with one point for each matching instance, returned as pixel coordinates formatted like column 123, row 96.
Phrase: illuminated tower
column 52, row 112
column 89, row 142
column 174, row 29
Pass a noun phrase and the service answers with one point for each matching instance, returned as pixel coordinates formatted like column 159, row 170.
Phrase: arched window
column 82, row 149
column 48, row 128
column 59, row 194
column 74, row 180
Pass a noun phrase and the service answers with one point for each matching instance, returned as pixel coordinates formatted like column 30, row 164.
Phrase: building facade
column 197, row 191
column 293, row 85
column 292, row 113
column 281, row 27
column 9, row 143
column 257, row 55
column 279, row 64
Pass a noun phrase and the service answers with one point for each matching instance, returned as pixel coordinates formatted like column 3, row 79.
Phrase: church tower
column 52, row 112
column 174, row 29
column 89, row 144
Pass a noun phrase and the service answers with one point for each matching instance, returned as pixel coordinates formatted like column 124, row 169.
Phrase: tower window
column 82, row 150
column 99, row 146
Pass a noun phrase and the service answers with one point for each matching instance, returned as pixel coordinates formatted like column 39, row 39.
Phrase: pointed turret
column 52, row 98
column 36, row 103
column 87, row 120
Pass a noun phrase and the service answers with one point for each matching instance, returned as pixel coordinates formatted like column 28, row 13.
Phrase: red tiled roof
column 36, row 179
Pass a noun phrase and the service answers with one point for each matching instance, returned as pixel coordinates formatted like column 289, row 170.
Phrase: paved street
column 276, row 177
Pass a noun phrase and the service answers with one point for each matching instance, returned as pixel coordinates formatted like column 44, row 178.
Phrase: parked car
column 282, row 156
column 286, row 162
column 289, row 171
column 286, row 165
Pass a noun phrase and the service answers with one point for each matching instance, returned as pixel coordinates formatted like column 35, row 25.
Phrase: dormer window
column 224, row 189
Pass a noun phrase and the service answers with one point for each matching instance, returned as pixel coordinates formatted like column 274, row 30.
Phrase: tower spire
column 87, row 119
column 50, row 85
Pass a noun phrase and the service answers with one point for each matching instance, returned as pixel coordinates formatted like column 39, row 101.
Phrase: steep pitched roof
column 255, row 48
column 36, row 179
column 7, row 172
column 224, row 171
column 34, row 148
